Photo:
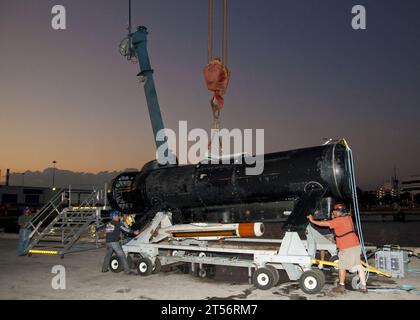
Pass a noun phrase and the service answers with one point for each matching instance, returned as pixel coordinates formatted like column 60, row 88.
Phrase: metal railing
column 43, row 215
column 68, row 214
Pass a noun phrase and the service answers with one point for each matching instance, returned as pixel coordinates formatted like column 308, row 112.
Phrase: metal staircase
column 63, row 225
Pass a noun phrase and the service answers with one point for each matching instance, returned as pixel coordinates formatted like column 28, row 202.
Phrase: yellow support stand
column 365, row 265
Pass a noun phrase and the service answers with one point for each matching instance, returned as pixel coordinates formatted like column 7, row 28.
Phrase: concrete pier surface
column 32, row 277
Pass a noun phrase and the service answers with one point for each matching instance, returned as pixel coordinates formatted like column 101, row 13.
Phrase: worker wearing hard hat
column 113, row 234
column 347, row 243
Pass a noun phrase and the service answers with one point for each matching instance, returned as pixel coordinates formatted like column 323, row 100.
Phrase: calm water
column 401, row 233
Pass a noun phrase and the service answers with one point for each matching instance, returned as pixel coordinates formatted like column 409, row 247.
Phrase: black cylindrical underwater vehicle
column 225, row 193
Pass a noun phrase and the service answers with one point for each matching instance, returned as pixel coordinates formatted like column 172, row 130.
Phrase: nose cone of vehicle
column 259, row 229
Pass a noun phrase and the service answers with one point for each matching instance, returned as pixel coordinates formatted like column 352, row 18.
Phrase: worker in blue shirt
column 113, row 234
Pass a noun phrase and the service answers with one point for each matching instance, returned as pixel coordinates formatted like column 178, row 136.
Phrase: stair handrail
column 79, row 230
column 37, row 220
column 90, row 201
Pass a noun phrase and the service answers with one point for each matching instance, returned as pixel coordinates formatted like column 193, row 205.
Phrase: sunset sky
column 299, row 71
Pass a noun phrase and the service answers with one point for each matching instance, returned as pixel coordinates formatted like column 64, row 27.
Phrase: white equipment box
column 393, row 260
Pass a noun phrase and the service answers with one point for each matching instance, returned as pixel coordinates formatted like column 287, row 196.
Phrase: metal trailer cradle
column 152, row 249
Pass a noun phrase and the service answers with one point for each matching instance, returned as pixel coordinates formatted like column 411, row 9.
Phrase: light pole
column 53, row 180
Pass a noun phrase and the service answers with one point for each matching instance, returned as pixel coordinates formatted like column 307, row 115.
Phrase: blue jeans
column 23, row 241
column 112, row 247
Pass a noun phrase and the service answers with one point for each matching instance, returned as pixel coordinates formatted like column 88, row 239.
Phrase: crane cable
column 210, row 31
column 216, row 72
column 224, row 32
column 353, row 186
column 225, row 35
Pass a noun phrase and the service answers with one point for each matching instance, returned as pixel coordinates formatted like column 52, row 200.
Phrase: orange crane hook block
column 217, row 77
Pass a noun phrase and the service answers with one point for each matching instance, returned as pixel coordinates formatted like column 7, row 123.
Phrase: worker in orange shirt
column 347, row 243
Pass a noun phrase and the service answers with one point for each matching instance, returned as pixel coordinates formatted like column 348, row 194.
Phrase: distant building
column 388, row 189
column 17, row 197
column 411, row 185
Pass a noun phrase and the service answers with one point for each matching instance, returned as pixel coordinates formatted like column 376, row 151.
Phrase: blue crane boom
column 139, row 43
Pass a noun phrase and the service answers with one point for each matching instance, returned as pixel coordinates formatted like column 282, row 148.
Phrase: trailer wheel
column 334, row 259
column 355, row 282
column 275, row 273
column 157, row 266
column 145, row 267
column 202, row 273
column 312, row 281
column 115, row 264
column 263, row 278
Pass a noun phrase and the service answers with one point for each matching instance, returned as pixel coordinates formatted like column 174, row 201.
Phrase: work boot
column 363, row 289
column 340, row 288
column 105, row 270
